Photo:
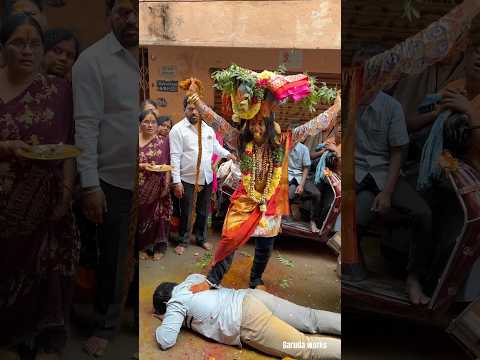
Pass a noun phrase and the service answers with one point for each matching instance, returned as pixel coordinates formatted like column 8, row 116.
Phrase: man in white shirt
column 183, row 158
column 265, row 322
column 106, row 106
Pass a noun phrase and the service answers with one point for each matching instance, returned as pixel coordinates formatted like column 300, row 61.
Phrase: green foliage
column 205, row 260
column 277, row 156
column 246, row 164
column 320, row 95
column 282, row 69
column 229, row 79
column 411, row 12
column 285, row 261
column 284, row 284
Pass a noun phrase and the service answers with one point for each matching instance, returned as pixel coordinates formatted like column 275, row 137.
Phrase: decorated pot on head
column 247, row 93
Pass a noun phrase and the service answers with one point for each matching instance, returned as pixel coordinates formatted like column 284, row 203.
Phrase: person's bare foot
column 95, row 346
column 143, row 255
column 415, row 291
column 180, row 250
column 206, row 245
column 158, row 256
column 313, row 227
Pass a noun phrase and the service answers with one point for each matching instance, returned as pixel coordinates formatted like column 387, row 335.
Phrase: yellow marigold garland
column 270, row 187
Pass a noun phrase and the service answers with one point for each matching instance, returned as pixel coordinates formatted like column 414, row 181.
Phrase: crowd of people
column 55, row 93
column 181, row 152
column 268, row 158
column 429, row 100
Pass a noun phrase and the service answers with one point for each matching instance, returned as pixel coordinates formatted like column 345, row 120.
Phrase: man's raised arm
column 418, row 52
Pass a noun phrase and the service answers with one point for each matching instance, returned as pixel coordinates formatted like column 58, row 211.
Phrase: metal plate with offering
column 51, row 152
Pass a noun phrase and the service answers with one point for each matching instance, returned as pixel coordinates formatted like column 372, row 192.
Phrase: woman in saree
column 40, row 246
column 261, row 199
column 149, row 104
column 155, row 205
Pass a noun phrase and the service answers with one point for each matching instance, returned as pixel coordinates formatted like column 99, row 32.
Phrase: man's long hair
column 270, row 135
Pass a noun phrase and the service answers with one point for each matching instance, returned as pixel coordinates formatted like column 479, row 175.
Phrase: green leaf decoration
column 411, row 12
column 284, row 284
column 320, row 95
column 205, row 260
column 285, row 261
column 282, row 69
column 228, row 80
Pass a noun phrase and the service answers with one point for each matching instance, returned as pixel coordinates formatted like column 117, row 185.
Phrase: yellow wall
column 87, row 18
column 300, row 24
column 197, row 62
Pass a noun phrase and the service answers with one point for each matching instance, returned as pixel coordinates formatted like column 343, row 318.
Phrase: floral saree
column 154, row 211
column 39, row 256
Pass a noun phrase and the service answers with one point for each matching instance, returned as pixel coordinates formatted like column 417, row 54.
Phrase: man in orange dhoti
column 261, row 199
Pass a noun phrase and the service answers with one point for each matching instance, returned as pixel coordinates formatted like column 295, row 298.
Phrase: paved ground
column 370, row 337
column 311, row 281
column 123, row 347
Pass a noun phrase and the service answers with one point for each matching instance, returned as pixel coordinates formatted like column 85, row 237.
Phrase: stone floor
column 310, row 281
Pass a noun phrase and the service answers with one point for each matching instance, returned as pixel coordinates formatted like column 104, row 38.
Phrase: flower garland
column 448, row 162
column 273, row 166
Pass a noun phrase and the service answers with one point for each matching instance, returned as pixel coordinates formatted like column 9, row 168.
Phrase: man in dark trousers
column 183, row 158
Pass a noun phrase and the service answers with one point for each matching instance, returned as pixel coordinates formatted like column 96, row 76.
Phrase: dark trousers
column 202, row 206
column 263, row 251
column 113, row 256
column 407, row 200
column 310, row 191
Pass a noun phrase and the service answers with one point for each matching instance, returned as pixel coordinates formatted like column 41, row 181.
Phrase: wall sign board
column 167, row 85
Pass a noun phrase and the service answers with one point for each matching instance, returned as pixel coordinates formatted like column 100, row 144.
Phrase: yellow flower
column 448, row 162
column 265, row 75
column 263, row 223
column 272, row 187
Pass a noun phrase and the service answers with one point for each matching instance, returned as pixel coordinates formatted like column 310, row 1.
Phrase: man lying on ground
column 250, row 316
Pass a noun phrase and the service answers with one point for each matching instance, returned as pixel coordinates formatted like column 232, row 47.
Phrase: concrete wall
column 178, row 63
column 300, row 24
column 87, row 18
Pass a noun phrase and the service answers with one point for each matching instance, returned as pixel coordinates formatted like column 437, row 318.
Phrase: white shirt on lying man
column 216, row 314
column 252, row 316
